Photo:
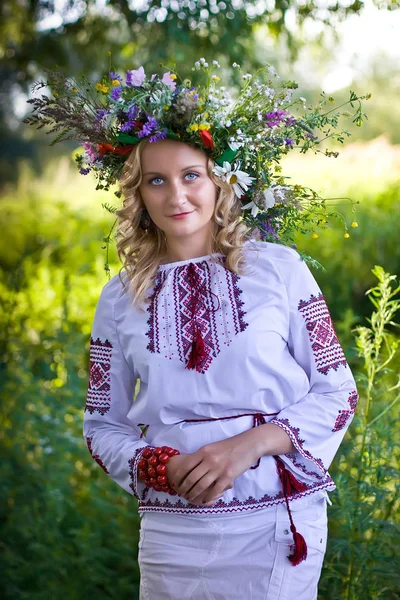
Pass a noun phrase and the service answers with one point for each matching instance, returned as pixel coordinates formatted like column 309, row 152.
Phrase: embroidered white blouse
column 269, row 348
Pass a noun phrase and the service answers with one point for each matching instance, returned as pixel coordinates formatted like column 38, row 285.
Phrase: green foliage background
column 66, row 529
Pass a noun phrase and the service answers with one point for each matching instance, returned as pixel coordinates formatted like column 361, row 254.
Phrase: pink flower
column 168, row 80
column 135, row 78
column 90, row 151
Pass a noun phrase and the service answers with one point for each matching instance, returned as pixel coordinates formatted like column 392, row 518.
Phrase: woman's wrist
column 271, row 439
column 152, row 468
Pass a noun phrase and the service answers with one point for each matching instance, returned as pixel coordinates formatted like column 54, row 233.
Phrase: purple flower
column 116, row 94
column 266, row 229
column 131, row 118
column 168, row 80
column 148, row 128
column 159, row 135
column 289, row 120
column 101, row 112
column 84, row 171
column 289, row 142
column 135, row 78
column 275, row 117
column 132, row 112
column 115, row 76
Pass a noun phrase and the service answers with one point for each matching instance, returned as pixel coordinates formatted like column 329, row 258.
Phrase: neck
column 186, row 248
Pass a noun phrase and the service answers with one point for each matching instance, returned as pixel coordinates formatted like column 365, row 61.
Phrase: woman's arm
column 203, row 476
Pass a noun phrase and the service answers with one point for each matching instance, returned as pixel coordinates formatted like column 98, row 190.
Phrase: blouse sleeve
column 317, row 423
column 112, row 440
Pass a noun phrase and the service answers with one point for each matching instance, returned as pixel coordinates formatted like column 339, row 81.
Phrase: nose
column 177, row 193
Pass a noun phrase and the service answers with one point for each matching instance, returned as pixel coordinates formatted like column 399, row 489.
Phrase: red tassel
column 290, row 484
column 198, row 353
column 299, row 549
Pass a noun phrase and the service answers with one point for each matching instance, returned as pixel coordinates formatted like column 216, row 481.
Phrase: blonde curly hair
column 141, row 251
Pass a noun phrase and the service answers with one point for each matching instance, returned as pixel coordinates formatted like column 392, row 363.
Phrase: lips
column 181, row 215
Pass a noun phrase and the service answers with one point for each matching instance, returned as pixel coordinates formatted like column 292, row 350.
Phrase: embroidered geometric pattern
column 294, row 434
column 235, row 505
column 133, row 469
column 95, row 457
column 345, row 415
column 99, row 392
column 206, row 309
column 327, row 351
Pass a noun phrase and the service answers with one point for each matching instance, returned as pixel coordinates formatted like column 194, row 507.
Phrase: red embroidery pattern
column 99, row 392
column 327, row 351
column 154, row 504
column 294, row 434
column 203, row 315
column 95, row 457
column 294, row 459
column 345, row 415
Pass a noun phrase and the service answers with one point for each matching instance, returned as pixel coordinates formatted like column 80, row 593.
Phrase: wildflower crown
column 246, row 137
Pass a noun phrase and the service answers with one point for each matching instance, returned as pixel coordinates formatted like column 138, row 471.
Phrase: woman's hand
column 202, row 477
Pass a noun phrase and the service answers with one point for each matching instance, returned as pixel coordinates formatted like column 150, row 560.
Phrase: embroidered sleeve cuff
column 298, row 443
column 138, row 487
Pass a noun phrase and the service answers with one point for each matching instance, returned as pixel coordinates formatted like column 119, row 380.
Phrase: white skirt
column 233, row 557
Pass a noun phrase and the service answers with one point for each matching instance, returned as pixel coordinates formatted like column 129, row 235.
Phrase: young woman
column 240, row 371
column 245, row 394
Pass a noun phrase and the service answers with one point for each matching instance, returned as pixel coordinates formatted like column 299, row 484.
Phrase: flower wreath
column 246, row 137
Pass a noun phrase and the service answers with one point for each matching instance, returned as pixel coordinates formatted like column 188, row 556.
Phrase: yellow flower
column 172, row 76
column 315, row 236
column 75, row 90
column 166, row 107
column 206, row 115
column 216, row 78
column 100, row 87
column 194, row 127
column 204, row 126
column 116, row 82
column 354, row 224
column 346, row 235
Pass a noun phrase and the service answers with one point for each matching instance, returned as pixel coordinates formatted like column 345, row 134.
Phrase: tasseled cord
column 291, row 485
column 198, row 352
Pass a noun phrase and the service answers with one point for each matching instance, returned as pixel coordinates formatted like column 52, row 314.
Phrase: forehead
column 171, row 153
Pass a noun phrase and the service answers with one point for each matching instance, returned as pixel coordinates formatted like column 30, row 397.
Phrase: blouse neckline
column 182, row 263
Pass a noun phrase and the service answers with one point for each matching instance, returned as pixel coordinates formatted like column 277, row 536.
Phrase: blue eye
column 195, row 176
column 155, row 180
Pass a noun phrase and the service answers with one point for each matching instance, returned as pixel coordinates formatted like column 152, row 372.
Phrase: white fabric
column 231, row 557
column 271, row 348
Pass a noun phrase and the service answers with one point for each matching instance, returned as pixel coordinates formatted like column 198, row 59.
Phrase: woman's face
column 177, row 191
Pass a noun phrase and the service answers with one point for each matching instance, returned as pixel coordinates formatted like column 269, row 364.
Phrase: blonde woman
column 245, row 393
column 224, row 334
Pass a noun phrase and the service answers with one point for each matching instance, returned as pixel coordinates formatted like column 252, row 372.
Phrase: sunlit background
column 66, row 529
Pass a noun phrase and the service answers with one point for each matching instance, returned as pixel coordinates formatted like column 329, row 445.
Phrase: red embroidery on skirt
column 193, row 325
column 99, row 392
column 345, row 415
column 327, row 351
column 95, row 457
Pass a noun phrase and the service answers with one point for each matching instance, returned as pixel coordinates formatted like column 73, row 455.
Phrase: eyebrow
column 184, row 169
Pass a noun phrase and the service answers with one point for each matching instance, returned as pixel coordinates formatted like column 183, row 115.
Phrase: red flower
column 206, row 138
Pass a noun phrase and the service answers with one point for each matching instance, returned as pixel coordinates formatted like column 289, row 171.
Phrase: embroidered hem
column 234, row 505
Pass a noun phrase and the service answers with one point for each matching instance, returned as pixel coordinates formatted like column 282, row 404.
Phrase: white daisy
column 239, row 180
column 254, row 208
